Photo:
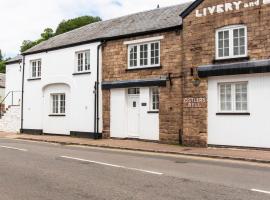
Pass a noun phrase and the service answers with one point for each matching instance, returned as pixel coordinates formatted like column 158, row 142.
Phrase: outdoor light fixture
column 196, row 80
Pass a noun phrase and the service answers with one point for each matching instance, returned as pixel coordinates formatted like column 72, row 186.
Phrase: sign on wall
column 195, row 102
column 227, row 7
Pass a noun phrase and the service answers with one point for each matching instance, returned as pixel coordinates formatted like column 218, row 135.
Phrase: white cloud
column 26, row 19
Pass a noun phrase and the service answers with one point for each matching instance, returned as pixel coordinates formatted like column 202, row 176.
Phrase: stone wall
column 114, row 65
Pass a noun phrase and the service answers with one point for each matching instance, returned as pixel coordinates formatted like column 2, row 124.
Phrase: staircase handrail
column 10, row 92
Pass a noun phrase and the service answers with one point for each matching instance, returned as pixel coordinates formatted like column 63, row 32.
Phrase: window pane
column 226, row 52
column 225, row 97
column 154, row 53
column 155, row 98
column 133, row 56
column 133, row 91
column 143, row 55
column 241, row 97
column 87, row 60
column 80, row 62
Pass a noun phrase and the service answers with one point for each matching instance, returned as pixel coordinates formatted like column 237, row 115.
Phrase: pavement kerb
column 154, row 151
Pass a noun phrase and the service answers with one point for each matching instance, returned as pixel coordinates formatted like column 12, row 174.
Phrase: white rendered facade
column 59, row 75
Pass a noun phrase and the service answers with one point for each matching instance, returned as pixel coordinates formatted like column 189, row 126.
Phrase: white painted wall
column 2, row 94
column 13, row 83
column 249, row 131
column 149, row 123
column 57, row 69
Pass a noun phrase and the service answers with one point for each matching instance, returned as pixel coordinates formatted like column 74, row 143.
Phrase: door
column 133, row 115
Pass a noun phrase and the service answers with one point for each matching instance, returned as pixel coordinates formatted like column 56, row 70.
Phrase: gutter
column 96, row 117
column 23, row 60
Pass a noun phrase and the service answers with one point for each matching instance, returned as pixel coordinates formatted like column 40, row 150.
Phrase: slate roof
column 142, row 22
column 2, row 80
column 16, row 59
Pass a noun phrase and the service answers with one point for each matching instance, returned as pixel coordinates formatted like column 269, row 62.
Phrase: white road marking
column 261, row 191
column 13, row 148
column 112, row 165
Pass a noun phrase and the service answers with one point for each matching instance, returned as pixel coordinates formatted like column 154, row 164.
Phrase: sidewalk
column 220, row 153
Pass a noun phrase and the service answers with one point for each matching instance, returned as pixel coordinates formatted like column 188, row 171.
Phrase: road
column 43, row 171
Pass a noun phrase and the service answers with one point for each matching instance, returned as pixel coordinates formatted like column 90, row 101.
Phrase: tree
column 63, row 27
column 47, row 34
column 1, row 56
column 2, row 63
column 71, row 24
column 27, row 44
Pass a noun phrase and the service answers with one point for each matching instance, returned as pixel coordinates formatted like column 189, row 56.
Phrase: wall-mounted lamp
column 196, row 79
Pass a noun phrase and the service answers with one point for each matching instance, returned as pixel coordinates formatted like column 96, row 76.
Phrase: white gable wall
column 13, row 83
column 57, row 77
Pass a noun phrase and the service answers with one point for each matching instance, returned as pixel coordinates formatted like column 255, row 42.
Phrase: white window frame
column 233, row 97
column 38, row 69
column 151, row 99
column 149, row 65
column 84, row 69
column 231, row 42
column 58, row 104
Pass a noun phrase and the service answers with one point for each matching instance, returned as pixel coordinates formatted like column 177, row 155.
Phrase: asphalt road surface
column 42, row 171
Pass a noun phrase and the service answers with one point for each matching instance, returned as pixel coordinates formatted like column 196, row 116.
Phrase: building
column 61, row 74
column 142, row 86
column 10, row 116
column 2, row 87
column 13, row 81
column 195, row 74
column 228, row 43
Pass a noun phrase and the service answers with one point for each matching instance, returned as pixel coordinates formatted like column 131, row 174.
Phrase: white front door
column 133, row 115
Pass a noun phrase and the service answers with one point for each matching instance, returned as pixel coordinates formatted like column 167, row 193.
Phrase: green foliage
column 2, row 63
column 2, row 67
column 1, row 56
column 71, row 24
column 27, row 44
column 64, row 26
column 47, row 34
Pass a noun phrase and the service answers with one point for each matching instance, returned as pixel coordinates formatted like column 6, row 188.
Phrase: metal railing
column 12, row 101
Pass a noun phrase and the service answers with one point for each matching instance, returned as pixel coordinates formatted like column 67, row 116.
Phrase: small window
column 83, row 61
column 154, row 96
column 231, row 42
column 58, row 104
column 133, row 91
column 35, row 70
column 233, row 97
column 144, row 55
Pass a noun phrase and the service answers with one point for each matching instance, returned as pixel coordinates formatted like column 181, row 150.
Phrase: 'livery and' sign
column 226, row 7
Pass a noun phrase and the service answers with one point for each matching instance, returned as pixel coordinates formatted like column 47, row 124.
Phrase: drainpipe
column 96, row 119
column 23, row 62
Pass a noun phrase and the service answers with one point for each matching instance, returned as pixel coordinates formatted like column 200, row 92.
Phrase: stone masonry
column 115, row 62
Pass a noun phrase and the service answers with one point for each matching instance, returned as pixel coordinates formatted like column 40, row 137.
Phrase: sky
column 26, row 19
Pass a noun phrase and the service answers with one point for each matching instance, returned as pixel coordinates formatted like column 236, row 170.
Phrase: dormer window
column 231, row 42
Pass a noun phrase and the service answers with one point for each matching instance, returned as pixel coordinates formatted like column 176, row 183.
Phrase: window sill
column 153, row 112
column 34, row 79
column 80, row 73
column 236, row 59
column 234, row 113
column 53, row 115
column 144, row 68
